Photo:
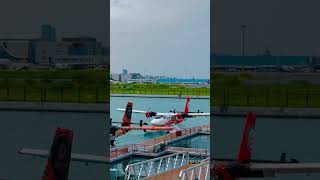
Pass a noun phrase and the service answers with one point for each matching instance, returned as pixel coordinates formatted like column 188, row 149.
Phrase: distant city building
column 48, row 33
column 123, row 78
column 46, row 51
column 70, row 51
column 125, row 72
column 126, row 77
column 135, row 76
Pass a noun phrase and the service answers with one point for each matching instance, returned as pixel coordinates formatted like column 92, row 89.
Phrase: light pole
column 243, row 29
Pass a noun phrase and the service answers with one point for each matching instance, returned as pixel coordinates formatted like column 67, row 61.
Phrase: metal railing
column 198, row 172
column 175, row 135
column 87, row 94
column 266, row 96
column 123, row 150
column 197, row 151
column 156, row 166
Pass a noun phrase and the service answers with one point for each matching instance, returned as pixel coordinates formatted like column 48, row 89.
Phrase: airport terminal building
column 47, row 51
column 264, row 63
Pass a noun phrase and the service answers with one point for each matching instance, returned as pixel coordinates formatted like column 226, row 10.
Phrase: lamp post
column 243, row 29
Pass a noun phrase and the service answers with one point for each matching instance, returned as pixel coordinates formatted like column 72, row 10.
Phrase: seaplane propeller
column 142, row 123
column 173, row 111
column 151, row 114
column 199, row 111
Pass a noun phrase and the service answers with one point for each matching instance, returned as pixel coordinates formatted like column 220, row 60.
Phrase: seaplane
column 246, row 167
column 60, row 155
column 57, row 165
column 160, row 121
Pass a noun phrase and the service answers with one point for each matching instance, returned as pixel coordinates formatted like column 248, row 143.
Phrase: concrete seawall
column 54, row 107
column 159, row 96
column 278, row 112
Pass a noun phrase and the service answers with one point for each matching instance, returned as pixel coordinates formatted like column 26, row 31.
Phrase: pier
column 159, row 146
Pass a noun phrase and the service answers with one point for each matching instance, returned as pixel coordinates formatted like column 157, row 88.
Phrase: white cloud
column 161, row 36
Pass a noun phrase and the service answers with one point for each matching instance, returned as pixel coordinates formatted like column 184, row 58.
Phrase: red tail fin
column 186, row 108
column 57, row 166
column 126, row 120
column 247, row 138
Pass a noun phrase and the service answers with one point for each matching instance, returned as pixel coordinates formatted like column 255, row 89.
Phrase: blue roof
column 186, row 81
column 260, row 60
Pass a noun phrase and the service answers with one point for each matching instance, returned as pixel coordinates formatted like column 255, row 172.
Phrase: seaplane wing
column 147, row 113
column 270, row 169
column 59, row 155
column 185, row 113
column 86, row 158
column 134, row 111
column 149, row 128
column 198, row 114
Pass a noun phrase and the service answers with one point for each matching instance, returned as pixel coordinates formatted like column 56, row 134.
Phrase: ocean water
column 197, row 141
column 299, row 138
column 36, row 130
column 150, row 104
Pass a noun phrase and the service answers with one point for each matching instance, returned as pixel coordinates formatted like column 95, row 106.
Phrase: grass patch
column 231, row 91
column 158, row 89
column 84, row 86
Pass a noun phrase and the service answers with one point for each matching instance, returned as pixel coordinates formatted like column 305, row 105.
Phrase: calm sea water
column 297, row 137
column 157, row 105
column 36, row 129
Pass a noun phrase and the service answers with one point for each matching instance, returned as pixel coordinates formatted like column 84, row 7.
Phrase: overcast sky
column 22, row 19
column 285, row 27
column 161, row 37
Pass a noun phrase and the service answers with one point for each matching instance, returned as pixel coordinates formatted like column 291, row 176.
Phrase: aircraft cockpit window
column 158, row 117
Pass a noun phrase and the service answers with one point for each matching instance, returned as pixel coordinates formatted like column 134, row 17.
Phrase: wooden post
column 61, row 94
column 24, row 93
column 79, row 91
column 97, row 94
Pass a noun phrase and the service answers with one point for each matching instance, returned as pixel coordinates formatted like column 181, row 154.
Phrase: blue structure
column 182, row 81
column 261, row 60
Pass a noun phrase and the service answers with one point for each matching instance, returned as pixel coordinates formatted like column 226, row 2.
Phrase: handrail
column 200, row 171
column 116, row 152
column 156, row 166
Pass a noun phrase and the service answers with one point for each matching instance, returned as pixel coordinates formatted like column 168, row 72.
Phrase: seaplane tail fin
column 57, row 165
column 244, row 155
column 186, row 108
column 126, row 120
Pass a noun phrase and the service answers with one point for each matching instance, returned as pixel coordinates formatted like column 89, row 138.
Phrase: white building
column 70, row 51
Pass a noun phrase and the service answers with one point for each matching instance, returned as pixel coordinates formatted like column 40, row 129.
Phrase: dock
column 158, row 146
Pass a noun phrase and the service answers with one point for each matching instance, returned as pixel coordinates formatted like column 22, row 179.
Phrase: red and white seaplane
column 160, row 121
